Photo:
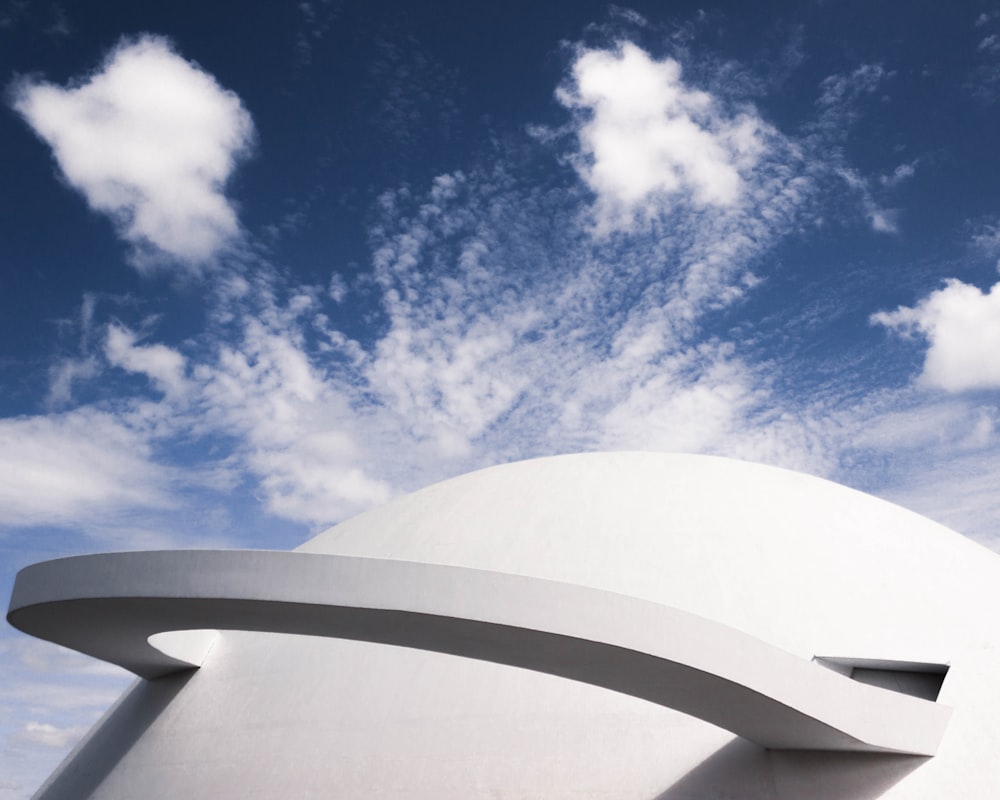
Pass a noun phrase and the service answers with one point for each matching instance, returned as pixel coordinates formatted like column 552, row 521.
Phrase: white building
column 570, row 627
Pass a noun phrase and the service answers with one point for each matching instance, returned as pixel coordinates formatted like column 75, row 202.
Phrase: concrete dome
column 810, row 567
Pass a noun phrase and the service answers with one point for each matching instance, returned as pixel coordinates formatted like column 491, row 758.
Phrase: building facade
column 591, row 626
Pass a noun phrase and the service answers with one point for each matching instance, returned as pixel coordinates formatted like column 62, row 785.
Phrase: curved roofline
column 109, row 606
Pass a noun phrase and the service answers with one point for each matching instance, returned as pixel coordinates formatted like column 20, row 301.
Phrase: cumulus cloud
column 149, row 140
column 961, row 324
column 648, row 140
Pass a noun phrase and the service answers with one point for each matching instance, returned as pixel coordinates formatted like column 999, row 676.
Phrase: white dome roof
column 800, row 563
column 729, row 540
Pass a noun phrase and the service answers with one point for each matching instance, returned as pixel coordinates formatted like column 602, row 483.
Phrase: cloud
column 49, row 735
column 990, row 44
column 902, row 173
column 150, row 141
column 64, row 374
column 162, row 365
column 37, row 657
column 81, row 464
column 295, row 425
column 51, row 697
column 250, row 395
column 413, row 99
column 962, row 327
column 648, row 140
column 882, row 220
column 513, row 332
column 839, row 105
column 934, row 453
column 670, row 411
column 502, row 328
column 841, row 91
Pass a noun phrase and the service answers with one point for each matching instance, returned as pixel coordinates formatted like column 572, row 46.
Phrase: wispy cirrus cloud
column 150, row 140
column 983, row 82
column 516, row 328
column 163, row 366
column 839, row 105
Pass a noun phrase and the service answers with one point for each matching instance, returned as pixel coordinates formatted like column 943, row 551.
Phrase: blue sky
column 263, row 266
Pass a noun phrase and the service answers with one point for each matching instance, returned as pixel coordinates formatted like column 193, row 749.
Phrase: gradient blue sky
column 265, row 265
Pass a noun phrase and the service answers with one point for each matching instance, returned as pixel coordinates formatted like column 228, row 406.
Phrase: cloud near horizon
column 149, row 140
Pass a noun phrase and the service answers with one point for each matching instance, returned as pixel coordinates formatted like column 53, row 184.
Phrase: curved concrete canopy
column 113, row 606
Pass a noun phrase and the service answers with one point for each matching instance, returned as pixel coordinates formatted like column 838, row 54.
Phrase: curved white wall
column 808, row 566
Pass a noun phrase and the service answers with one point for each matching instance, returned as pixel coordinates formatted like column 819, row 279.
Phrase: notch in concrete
column 915, row 678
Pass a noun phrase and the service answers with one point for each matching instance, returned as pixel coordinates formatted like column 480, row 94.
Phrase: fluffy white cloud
column 648, row 140
column 149, row 140
column 962, row 327
column 80, row 464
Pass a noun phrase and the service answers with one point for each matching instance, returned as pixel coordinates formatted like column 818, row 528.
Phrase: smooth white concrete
column 800, row 564
column 111, row 606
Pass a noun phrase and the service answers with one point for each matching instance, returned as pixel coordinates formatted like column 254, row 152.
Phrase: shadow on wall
column 739, row 771
column 95, row 757
column 744, row 771
column 839, row 776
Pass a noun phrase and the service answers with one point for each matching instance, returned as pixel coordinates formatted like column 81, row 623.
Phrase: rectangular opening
column 915, row 678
